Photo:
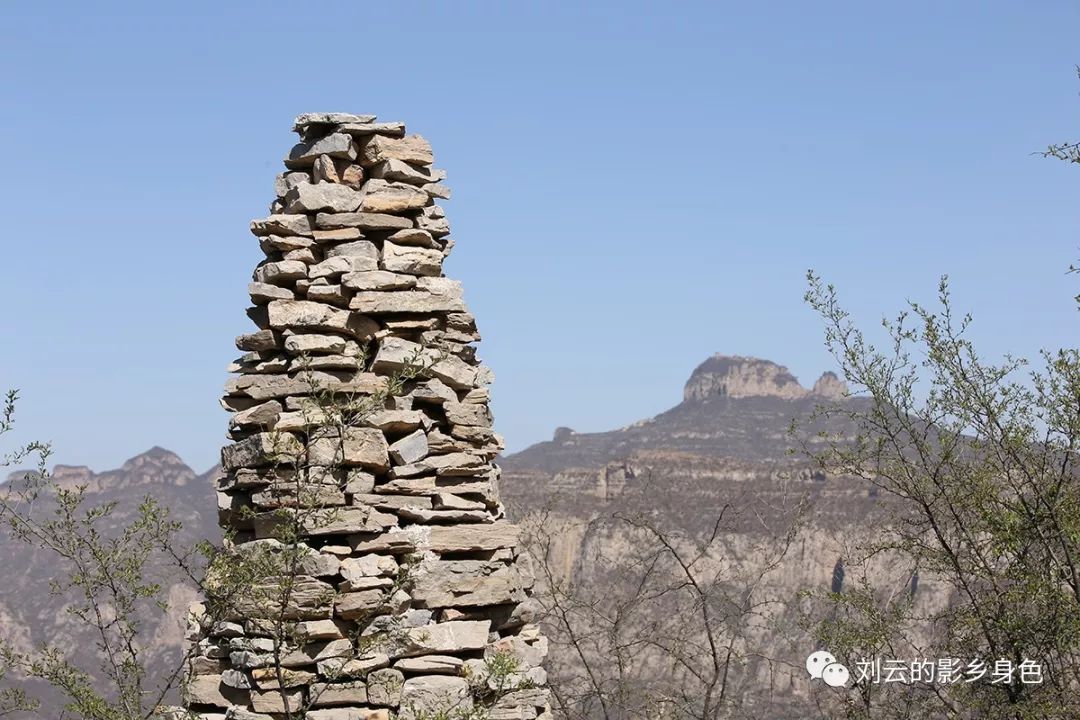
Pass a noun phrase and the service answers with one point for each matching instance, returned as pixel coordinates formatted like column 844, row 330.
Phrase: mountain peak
column 736, row 376
column 830, row 387
column 155, row 456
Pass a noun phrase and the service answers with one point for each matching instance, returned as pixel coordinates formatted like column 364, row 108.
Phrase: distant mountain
column 728, row 440
column 734, row 408
column 30, row 616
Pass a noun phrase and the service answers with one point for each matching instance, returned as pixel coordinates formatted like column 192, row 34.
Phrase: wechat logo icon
column 822, row 665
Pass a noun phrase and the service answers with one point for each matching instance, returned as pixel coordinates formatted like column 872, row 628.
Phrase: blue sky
column 636, row 186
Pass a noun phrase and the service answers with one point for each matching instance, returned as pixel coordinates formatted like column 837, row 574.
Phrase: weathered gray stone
column 397, row 420
column 238, row 713
column 393, row 129
column 528, row 698
column 433, row 220
column 466, row 583
column 400, row 171
column 344, row 234
column 284, row 243
column 456, row 373
column 436, row 190
column 370, row 565
column 344, row 521
column 306, row 315
column 392, row 503
column 358, row 220
column 421, row 696
column 338, row 145
column 315, row 343
column 261, row 340
column 356, row 248
column 331, row 694
column 283, row 225
column 276, row 701
column 329, row 118
column 431, row 664
column 210, row 690
column 268, row 678
column 281, row 272
column 412, row 149
column 319, row 564
column 359, row 481
column 348, row 714
column 314, row 653
column 263, row 415
column 334, row 267
column 357, row 605
column 308, row 599
column 323, row 196
column 261, row 292
column 265, row 387
column 414, row 236
column 319, row 630
column 365, row 447
column 528, row 647
column 432, row 295
column 325, row 170
column 449, row 637
column 358, row 666
column 467, row 414
column 260, row 450
column 448, row 501
column 411, row 260
column 410, row 449
column 378, row 280
column 304, row 255
column 380, row 196
column 384, row 687
column 332, row 294
column 285, row 182
column 394, row 542
column 473, row 538
column 430, row 517
column 352, row 175
column 433, row 391
column 458, row 463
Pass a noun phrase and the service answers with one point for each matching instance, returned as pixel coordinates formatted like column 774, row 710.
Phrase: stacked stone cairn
column 415, row 586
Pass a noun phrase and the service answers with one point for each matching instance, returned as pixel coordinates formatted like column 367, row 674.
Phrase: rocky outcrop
column 739, row 377
column 411, row 583
column 830, row 387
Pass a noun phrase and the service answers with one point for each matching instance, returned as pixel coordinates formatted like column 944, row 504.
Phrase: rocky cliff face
column 728, row 441
column 741, row 377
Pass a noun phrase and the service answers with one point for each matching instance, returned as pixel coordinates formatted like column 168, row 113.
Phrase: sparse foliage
column 674, row 624
column 977, row 464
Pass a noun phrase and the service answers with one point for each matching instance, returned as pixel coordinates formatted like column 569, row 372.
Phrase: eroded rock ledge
column 736, row 376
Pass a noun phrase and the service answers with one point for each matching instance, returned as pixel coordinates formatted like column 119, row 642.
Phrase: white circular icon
column 835, row 675
column 817, row 661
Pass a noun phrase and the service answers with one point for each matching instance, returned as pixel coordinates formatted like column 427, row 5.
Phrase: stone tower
column 411, row 597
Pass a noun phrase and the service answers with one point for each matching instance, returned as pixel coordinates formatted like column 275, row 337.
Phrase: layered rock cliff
column 740, row 377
